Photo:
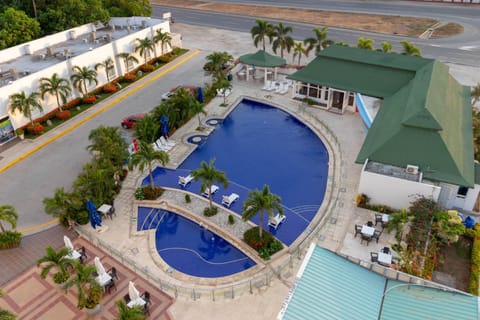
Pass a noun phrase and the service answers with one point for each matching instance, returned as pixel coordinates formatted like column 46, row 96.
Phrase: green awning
column 262, row 59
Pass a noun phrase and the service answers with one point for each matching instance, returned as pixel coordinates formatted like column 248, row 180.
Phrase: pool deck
column 120, row 244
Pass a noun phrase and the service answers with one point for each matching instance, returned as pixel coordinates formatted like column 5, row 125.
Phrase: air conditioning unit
column 412, row 169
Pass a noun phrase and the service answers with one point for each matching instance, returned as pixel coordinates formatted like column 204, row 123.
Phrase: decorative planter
column 95, row 310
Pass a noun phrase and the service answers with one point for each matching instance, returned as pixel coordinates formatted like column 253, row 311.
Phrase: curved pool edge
column 170, row 272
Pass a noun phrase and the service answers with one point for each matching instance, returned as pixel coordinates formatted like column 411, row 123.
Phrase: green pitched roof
column 331, row 287
column 262, row 59
column 425, row 117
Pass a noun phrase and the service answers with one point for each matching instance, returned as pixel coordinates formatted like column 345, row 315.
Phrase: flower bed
column 36, row 129
column 147, row 68
column 72, row 103
column 475, row 268
column 62, row 115
column 89, row 99
column 109, row 88
column 129, row 77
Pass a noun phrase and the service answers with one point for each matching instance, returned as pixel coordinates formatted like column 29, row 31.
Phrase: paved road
column 27, row 183
column 461, row 49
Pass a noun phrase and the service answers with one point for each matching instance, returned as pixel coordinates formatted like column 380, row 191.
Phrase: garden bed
column 456, row 262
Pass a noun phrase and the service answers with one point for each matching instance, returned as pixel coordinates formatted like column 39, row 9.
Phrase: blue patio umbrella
column 95, row 219
column 164, row 123
column 200, row 97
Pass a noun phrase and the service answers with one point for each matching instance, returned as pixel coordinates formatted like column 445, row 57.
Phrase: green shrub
column 60, row 277
column 81, row 217
column 210, row 211
column 164, row 59
column 252, row 238
column 152, row 193
column 139, row 194
column 231, row 219
column 187, row 198
column 10, row 239
column 475, row 267
column 470, row 233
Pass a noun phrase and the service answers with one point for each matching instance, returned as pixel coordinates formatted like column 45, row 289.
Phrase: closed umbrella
column 68, row 243
column 95, row 219
column 133, row 292
column 200, row 97
column 99, row 266
column 164, row 123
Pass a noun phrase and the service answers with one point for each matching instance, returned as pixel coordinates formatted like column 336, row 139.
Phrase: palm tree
column 386, row 46
column 81, row 77
column 145, row 157
column 209, row 174
column 319, row 42
column 126, row 313
column 410, row 49
column 162, row 37
column 197, row 108
column 216, row 62
column 147, row 128
column 57, row 260
column 109, row 143
column 261, row 201
column 127, row 58
column 282, row 39
column 8, row 214
column 144, row 47
column 62, row 205
column 298, row 51
column 86, row 284
column 365, row 43
column 96, row 181
column 475, row 93
column 106, row 64
column 25, row 104
column 342, row 43
column 263, row 29
column 55, row 86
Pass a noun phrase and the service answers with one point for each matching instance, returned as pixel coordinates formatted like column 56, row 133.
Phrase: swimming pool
column 190, row 248
column 259, row 144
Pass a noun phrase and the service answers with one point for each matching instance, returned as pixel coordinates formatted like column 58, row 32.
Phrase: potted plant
column 20, row 133
column 89, row 291
column 57, row 260
column 9, row 238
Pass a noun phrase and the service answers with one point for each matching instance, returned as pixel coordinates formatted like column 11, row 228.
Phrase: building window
column 325, row 97
column 462, row 192
column 111, row 72
column 351, row 98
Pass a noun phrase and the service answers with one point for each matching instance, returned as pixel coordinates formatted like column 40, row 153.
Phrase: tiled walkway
column 31, row 297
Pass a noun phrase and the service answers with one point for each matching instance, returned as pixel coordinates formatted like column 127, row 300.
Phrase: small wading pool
column 190, row 248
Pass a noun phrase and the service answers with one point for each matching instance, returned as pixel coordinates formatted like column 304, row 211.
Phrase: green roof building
column 420, row 139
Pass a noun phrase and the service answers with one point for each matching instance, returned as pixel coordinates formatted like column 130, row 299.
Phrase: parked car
column 170, row 93
column 130, row 121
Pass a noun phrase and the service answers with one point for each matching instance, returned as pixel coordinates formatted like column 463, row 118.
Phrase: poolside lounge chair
column 166, row 142
column 267, row 85
column 184, row 181
column 276, row 221
column 213, row 189
column 223, row 92
column 159, row 147
column 229, row 200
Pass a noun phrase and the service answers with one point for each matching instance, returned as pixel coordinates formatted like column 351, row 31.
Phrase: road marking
column 102, row 109
column 468, row 48
column 39, row 226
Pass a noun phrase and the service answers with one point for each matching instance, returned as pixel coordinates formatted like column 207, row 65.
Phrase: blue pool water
column 189, row 248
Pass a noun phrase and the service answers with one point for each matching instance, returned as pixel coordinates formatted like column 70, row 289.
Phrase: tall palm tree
column 319, row 41
column 8, row 214
column 127, row 59
column 282, row 39
column 209, row 174
column 216, row 62
column 145, row 158
column 25, row 104
column 85, row 282
column 263, row 29
column 298, row 51
column 386, row 46
column 144, row 46
column 126, row 313
column 410, row 49
column 54, row 259
column 96, row 181
column 198, row 108
column 147, row 128
column 55, row 86
column 365, row 43
column 162, row 37
column 81, row 77
column 475, row 93
column 61, row 205
column 106, row 64
column 261, row 201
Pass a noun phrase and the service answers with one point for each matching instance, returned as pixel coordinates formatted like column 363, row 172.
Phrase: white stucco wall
column 88, row 59
column 471, row 198
column 394, row 192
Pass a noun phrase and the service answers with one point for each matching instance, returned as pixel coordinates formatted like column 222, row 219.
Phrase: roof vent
column 412, row 169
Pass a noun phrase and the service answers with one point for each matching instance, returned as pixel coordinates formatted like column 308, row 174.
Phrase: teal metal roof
column 331, row 287
column 406, row 301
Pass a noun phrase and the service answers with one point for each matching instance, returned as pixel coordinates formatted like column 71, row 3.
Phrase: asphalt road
column 28, row 182
column 461, row 49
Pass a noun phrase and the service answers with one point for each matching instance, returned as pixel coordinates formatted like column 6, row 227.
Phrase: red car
column 130, row 121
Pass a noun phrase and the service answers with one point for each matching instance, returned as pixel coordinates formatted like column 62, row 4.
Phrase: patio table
column 385, row 217
column 366, row 230
column 384, row 258
column 104, row 209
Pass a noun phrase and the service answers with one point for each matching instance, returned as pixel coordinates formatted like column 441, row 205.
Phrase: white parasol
column 133, row 292
column 99, row 266
column 68, row 243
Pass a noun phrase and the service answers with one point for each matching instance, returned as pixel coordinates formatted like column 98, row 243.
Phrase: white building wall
column 394, row 192
column 30, row 83
column 471, row 198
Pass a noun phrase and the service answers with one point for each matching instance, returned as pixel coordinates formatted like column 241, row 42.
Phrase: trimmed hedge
column 10, row 239
column 475, row 268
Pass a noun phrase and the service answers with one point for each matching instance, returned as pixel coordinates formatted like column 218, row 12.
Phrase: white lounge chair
column 205, row 192
column 225, row 92
column 276, row 220
column 166, row 142
column 284, row 88
column 184, row 181
column 229, row 200
column 267, row 86
column 158, row 145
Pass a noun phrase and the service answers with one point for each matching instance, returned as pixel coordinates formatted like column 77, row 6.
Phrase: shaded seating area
column 367, row 232
column 264, row 60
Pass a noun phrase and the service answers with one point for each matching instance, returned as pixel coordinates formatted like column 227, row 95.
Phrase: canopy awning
column 262, row 59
